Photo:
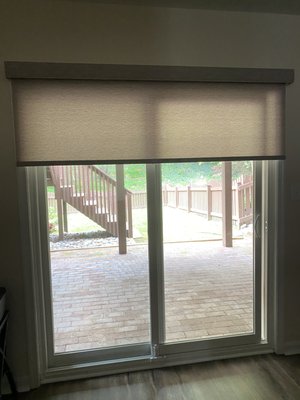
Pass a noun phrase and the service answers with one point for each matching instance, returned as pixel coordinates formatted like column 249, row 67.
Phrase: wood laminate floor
column 266, row 377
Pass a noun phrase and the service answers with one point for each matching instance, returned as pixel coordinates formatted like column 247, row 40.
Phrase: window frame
column 35, row 255
column 32, row 242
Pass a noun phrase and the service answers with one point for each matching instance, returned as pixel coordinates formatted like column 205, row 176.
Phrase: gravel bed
column 84, row 240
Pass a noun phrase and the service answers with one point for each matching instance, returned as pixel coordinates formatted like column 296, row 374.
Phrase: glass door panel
column 98, row 256
column 208, row 278
column 142, row 258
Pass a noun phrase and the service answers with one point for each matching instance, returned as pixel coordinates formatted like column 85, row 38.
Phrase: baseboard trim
column 292, row 348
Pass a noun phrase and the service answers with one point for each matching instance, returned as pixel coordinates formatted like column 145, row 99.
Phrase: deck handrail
column 102, row 173
column 91, row 191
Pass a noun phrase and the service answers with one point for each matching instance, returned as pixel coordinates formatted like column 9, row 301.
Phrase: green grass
column 140, row 224
column 180, row 174
column 77, row 223
column 50, row 189
column 134, row 175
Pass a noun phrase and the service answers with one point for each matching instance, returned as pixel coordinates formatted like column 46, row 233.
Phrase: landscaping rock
column 84, row 240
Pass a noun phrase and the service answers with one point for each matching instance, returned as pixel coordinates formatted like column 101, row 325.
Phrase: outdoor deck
column 101, row 298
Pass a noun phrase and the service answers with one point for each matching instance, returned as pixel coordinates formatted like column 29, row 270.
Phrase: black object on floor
column 4, row 367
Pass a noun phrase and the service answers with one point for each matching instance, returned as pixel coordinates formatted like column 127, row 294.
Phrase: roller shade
column 62, row 121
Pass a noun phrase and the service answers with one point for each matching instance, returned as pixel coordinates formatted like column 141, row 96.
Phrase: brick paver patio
column 101, row 298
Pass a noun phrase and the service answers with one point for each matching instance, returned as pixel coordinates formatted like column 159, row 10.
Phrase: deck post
column 59, row 214
column 176, row 197
column 65, row 216
column 227, row 203
column 165, row 198
column 209, row 202
column 189, row 198
column 239, row 204
column 129, row 215
column 121, row 209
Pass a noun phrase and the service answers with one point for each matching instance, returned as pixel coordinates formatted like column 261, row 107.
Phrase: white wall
column 88, row 32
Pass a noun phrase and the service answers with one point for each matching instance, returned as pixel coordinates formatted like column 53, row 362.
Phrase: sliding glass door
column 149, row 260
column 98, row 258
column 206, row 270
column 209, row 280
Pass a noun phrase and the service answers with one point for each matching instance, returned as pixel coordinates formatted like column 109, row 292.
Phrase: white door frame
column 35, row 255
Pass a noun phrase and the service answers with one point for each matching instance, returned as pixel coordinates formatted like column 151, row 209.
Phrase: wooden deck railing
column 208, row 201
column 205, row 201
column 92, row 192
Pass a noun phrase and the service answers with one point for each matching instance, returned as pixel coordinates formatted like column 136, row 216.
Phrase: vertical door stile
column 156, row 269
column 257, row 240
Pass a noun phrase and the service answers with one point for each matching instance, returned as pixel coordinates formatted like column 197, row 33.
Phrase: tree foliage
column 180, row 174
column 213, row 170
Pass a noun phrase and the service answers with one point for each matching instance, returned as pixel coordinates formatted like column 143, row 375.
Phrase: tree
column 213, row 170
column 181, row 174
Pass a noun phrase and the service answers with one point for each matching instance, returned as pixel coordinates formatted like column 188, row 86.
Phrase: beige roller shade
column 70, row 121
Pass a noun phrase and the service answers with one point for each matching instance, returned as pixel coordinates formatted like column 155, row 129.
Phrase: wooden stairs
column 94, row 193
